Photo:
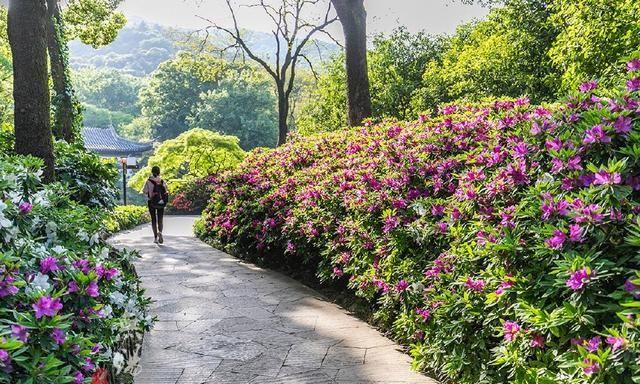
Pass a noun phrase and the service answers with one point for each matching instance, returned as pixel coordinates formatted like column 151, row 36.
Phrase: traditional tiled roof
column 106, row 142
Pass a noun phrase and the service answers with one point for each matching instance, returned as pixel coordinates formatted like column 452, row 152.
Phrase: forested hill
column 140, row 47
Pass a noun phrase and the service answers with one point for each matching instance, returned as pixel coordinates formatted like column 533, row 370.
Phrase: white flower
column 117, row 299
column 40, row 282
column 94, row 239
column 104, row 253
column 83, row 236
column 118, row 361
column 4, row 222
column 58, row 249
column 107, row 310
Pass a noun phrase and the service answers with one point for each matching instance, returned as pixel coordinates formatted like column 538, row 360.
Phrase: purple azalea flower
column 338, row 272
column 92, row 289
column 5, row 361
column 578, row 279
column 593, row 344
column 511, row 330
column 622, row 125
column 437, row 210
column 475, row 285
column 605, row 178
column 49, row 264
column 19, row 332
column 557, row 240
column 73, row 287
column 402, row 286
column 24, row 208
column 633, row 84
column 82, row 265
column 442, row 226
column 575, row 233
column 632, row 288
column 596, row 134
column 6, row 286
column 390, row 223
column 616, row 342
column 46, row 306
column 574, row 163
column 588, row 86
column 633, row 65
column 424, row 313
column 88, row 365
column 78, row 378
column 58, row 336
column 590, row 367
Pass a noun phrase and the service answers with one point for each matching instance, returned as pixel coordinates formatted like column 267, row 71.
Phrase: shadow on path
column 225, row 321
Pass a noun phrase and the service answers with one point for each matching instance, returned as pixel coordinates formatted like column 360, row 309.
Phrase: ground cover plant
column 499, row 241
column 125, row 217
column 68, row 302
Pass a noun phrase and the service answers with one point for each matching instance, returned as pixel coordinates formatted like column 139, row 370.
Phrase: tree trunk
column 283, row 114
column 353, row 17
column 63, row 100
column 28, row 40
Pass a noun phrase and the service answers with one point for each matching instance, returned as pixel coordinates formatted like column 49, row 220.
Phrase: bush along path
column 224, row 321
column 499, row 240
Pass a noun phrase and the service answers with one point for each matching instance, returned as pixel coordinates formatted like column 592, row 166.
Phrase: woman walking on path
column 157, row 196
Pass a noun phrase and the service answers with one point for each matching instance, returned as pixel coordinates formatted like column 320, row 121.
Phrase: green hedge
column 125, row 217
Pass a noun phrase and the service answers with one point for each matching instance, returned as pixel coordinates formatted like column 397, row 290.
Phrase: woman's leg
column 160, row 216
column 152, row 212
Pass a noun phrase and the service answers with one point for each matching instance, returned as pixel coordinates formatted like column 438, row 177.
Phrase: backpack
column 159, row 194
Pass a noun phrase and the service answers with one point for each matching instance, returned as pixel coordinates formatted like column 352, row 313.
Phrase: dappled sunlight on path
column 221, row 320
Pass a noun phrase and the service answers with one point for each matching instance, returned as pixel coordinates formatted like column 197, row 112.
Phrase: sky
column 383, row 16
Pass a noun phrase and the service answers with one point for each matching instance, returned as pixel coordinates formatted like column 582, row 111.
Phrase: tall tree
column 292, row 31
column 67, row 112
column 353, row 18
column 27, row 21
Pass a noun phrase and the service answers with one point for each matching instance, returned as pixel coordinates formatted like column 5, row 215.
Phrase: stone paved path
column 225, row 321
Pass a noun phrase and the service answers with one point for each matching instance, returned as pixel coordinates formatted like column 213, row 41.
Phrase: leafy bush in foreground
column 125, row 217
column 68, row 302
column 500, row 241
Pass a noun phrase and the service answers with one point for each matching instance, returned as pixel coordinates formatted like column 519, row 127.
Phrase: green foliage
column 90, row 180
column 396, row 64
column 138, row 129
column 242, row 106
column 125, row 217
column 504, row 55
column 594, row 37
column 202, row 91
column 109, row 89
column 93, row 116
column 6, row 73
column 94, row 22
column 193, row 154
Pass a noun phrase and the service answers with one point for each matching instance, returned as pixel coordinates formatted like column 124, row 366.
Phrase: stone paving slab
column 225, row 321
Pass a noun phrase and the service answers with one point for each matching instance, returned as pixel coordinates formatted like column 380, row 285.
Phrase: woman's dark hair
column 155, row 171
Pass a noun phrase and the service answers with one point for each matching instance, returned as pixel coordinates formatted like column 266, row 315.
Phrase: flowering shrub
column 192, row 196
column 499, row 241
column 125, row 217
column 67, row 300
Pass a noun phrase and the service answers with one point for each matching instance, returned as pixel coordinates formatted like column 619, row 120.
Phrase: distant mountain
column 140, row 47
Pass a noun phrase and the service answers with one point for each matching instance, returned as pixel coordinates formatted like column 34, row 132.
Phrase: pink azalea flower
column 511, row 330
column 596, row 134
column 616, row 343
column 537, row 341
column 622, row 125
column 557, row 240
column 633, row 65
column 475, row 285
column 402, row 286
column 338, row 272
column 605, row 178
column 575, row 233
column 24, row 208
column 503, row 286
column 46, row 306
column 424, row 313
column 590, row 367
column 578, row 279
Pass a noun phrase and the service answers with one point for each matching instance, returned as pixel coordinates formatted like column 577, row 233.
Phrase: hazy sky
column 435, row 16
